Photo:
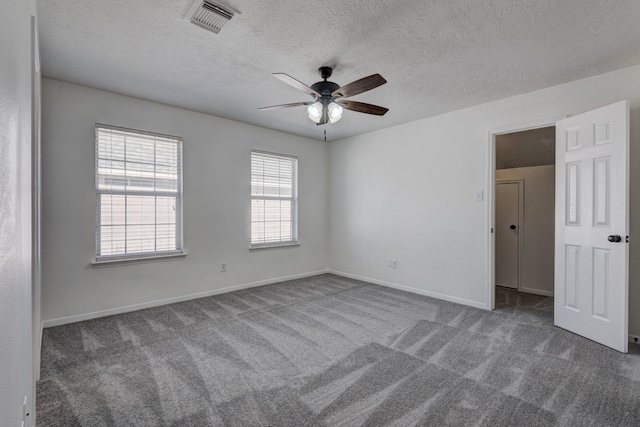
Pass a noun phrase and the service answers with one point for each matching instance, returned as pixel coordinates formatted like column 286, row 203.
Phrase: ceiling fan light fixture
column 335, row 112
column 315, row 112
column 329, row 102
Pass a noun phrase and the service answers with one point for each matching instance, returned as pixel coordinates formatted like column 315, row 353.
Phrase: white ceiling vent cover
column 209, row 15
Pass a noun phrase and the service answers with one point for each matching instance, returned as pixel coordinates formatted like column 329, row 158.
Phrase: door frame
column 520, row 182
column 490, row 289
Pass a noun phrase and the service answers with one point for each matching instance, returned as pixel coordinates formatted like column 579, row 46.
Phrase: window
column 274, row 199
column 138, row 194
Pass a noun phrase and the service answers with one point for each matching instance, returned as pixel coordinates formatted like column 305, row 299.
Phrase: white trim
column 491, row 183
column 491, row 208
column 634, row 339
column 412, row 290
column 156, row 303
column 143, row 132
column 536, row 292
column 521, row 127
column 36, row 203
column 273, row 154
column 113, row 262
column 273, row 245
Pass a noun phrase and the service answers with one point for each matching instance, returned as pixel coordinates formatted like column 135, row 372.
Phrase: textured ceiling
column 437, row 55
column 536, row 147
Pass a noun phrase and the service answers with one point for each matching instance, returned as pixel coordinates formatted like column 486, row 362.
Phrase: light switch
column 479, row 195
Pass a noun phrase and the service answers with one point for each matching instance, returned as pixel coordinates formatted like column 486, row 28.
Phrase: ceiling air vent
column 209, row 15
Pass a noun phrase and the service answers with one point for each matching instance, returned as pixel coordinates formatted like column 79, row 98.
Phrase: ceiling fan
column 328, row 97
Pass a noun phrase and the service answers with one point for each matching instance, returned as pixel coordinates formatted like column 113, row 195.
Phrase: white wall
column 16, row 379
column 537, row 232
column 216, row 205
column 407, row 192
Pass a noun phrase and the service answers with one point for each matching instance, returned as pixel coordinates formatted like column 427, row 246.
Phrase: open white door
column 592, row 214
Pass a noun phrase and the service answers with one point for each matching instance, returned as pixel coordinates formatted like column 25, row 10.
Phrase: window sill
column 273, row 246
column 140, row 260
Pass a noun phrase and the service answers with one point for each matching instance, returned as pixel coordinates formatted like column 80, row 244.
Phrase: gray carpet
column 330, row 351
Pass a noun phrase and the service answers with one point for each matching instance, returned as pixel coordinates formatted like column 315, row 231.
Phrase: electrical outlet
column 223, row 266
column 394, row 264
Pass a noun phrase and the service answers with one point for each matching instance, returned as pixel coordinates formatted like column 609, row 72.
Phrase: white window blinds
column 274, row 199
column 138, row 193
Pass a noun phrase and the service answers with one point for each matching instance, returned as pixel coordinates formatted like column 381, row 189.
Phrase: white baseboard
column 418, row 291
column 536, row 292
column 634, row 339
column 156, row 303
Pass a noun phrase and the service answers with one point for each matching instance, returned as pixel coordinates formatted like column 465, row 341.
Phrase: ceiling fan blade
column 286, row 78
column 294, row 104
column 359, row 86
column 361, row 107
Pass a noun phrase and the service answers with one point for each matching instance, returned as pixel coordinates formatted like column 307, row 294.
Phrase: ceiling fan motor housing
column 325, row 88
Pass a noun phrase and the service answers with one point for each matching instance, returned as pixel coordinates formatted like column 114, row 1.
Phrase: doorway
column 522, row 187
column 525, row 210
column 591, row 255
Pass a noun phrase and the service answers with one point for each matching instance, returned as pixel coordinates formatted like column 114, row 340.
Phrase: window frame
column 295, row 199
column 136, row 257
